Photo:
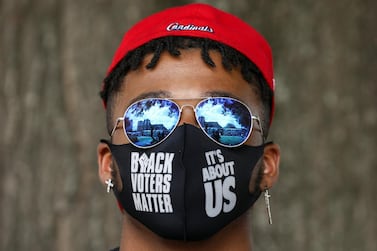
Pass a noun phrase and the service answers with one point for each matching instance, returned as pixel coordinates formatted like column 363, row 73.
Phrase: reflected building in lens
column 215, row 128
column 146, row 128
column 144, row 125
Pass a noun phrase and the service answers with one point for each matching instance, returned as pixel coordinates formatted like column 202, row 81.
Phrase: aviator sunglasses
column 148, row 122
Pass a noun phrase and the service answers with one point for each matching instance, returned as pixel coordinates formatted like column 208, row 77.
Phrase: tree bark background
column 53, row 57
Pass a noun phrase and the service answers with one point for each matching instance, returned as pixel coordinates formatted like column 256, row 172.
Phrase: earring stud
column 109, row 184
column 267, row 197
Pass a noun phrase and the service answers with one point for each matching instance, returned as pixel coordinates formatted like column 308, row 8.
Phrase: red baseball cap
column 205, row 21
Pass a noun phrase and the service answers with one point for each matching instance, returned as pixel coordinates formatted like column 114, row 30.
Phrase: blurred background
column 54, row 55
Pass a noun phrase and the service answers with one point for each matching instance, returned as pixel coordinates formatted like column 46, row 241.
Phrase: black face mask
column 188, row 187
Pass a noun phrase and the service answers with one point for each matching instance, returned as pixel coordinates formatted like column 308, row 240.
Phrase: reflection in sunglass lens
column 225, row 120
column 149, row 121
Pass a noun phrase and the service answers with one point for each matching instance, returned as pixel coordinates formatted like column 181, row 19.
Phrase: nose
column 188, row 115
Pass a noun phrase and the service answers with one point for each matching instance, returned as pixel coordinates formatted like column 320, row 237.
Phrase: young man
column 189, row 102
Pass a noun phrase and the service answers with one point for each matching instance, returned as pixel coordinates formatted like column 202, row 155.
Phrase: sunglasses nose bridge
column 187, row 115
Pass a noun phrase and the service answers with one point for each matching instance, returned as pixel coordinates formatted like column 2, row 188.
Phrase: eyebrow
column 155, row 94
column 219, row 94
column 167, row 94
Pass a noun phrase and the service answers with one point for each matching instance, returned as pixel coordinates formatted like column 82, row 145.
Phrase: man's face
column 186, row 77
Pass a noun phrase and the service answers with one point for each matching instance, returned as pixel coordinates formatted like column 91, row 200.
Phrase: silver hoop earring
column 109, row 184
column 267, row 197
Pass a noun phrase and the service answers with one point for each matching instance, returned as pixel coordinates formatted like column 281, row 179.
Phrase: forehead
column 184, row 76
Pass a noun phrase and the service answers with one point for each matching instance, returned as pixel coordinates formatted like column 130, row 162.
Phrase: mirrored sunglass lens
column 150, row 121
column 225, row 120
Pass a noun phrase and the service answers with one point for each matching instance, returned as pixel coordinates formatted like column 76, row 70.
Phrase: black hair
column 231, row 58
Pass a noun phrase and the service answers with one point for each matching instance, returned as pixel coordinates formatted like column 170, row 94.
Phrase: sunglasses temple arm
column 116, row 126
column 260, row 126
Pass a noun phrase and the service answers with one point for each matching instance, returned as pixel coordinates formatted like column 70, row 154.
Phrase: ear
column 271, row 161
column 105, row 160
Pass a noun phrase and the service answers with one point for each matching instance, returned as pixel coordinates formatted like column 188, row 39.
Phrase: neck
column 135, row 236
